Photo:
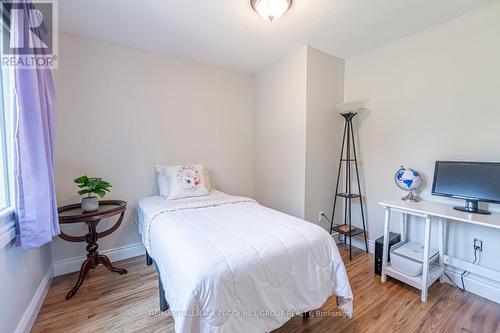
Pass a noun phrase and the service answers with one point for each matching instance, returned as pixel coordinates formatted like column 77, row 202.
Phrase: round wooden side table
column 73, row 214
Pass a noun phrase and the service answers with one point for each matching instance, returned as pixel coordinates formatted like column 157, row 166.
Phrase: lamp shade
column 350, row 106
column 270, row 10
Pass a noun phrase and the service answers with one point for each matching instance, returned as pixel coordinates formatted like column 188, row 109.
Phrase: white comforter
column 230, row 265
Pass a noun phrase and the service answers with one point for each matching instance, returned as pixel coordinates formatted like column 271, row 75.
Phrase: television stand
column 472, row 206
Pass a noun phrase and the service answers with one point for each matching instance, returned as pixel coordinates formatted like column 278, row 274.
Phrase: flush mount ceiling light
column 270, row 10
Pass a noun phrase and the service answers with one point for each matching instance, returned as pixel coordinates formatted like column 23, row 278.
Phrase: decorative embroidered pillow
column 183, row 181
column 164, row 184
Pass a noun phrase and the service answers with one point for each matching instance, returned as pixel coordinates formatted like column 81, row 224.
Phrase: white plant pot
column 90, row 204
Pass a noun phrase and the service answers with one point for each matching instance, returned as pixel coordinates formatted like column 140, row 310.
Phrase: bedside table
column 73, row 214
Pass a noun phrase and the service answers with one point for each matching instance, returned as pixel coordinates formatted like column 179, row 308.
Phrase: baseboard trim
column 71, row 265
column 29, row 316
column 359, row 243
column 475, row 284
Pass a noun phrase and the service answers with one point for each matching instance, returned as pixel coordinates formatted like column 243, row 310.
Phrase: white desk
column 443, row 213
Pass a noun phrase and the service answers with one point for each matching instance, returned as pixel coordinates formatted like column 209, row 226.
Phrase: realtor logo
column 29, row 34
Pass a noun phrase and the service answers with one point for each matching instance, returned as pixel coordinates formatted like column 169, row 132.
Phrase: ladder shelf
column 348, row 155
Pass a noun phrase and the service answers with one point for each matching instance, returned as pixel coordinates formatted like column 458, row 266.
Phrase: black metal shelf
column 348, row 155
column 354, row 232
column 348, row 195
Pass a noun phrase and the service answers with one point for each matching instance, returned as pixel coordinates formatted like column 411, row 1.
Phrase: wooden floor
column 110, row 302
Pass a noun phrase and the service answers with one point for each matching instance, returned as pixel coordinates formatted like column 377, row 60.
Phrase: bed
column 228, row 264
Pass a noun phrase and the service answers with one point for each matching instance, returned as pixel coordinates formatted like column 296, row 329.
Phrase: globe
column 408, row 180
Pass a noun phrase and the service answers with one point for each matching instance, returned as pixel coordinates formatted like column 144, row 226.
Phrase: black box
column 394, row 238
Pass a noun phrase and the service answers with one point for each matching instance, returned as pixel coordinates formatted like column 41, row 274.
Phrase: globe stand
column 410, row 197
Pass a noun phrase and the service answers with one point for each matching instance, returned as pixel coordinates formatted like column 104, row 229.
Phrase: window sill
column 7, row 227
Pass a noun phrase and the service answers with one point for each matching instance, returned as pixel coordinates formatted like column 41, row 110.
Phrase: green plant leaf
column 82, row 192
column 81, row 180
column 102, row 187
column 100, row 193
column 90, row 185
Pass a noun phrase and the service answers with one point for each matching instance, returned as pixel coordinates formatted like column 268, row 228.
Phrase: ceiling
column 229, row 34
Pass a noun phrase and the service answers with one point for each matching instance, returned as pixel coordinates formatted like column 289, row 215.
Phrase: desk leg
column 385, row 249
column 404, row 224
column 441, row 247
column 425, row 268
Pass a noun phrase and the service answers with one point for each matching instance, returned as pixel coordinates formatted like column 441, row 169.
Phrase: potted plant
column 91, row 186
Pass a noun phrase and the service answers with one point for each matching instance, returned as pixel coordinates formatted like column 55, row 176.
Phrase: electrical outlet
column 320, row 216
column 478, row 245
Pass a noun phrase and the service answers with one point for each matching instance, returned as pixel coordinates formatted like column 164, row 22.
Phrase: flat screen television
column 470, row 181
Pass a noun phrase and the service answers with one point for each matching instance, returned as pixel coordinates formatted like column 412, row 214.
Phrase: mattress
column 228, row 264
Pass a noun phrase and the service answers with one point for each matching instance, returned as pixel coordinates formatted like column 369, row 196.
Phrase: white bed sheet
column 237, row 266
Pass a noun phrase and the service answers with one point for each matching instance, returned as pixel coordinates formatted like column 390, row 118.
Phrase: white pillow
column 182, row 181
column 208, row 181
column 163, row 183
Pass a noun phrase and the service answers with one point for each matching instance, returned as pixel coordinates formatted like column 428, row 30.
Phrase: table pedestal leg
column 86, row 266
column 93, row 260
column 102, row 259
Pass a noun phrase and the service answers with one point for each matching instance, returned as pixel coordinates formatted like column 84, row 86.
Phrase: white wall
column 432, row 96
column 21, row 275
column 121, row 111
column 280, row 134
column 296, row 141
column 325, row 89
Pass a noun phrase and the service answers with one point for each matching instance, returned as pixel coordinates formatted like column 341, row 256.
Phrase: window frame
column 7, row 213
column 7, row 121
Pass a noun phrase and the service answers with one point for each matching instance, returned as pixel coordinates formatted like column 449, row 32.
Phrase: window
column 4, row 184
column 5, row 151
column 6, row 146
